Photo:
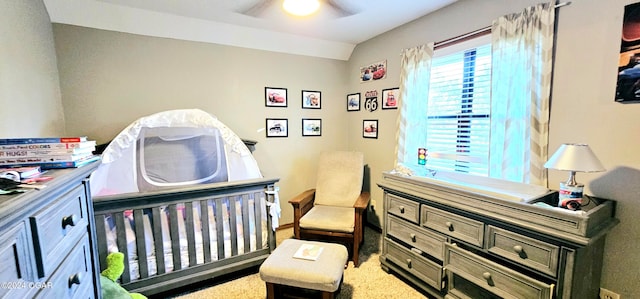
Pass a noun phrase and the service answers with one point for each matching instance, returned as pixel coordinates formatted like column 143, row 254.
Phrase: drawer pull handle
column 69, row 220
column 401, row 209
column 487, row 277
column 413, row 237
column 409, row 263
column 520, row 251
column 75, row 279
column 449, row 225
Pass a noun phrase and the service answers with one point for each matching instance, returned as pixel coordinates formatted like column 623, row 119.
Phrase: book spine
column 60, row 158
column 58, row 164
column 22, row 153
column 48, row 146
column 42, row 140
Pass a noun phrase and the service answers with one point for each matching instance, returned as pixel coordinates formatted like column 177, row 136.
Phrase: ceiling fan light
column 301, row 7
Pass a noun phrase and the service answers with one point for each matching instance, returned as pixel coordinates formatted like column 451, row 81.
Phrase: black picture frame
column 353, row 102
column 311, row 127
column 275, row 97
column 311, row 99
column 370, row 128
column 277, row 127
column 390, row 98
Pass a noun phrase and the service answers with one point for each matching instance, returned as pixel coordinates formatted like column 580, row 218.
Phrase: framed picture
column 311, row 127
column 628, row 89
column 374, row 71
column 370, row 128
column 277, row 127
column 390, row 98
column 353, row 102
column 275, row 97
column 311, row 99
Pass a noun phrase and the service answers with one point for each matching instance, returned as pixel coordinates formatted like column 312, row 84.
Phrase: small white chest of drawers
column 457, row 244
column 46, row 239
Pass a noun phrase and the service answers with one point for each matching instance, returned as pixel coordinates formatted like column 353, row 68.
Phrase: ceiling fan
column 260, row 6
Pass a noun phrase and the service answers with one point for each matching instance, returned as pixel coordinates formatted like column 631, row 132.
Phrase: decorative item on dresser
column 457, row 241
column 47, row 239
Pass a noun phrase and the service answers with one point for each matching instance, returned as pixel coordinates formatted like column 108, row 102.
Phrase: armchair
column 334, row 210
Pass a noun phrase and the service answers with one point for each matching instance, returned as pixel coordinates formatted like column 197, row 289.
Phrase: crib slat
column 101, row 236
column 233, row 229
column 246, row 232
column 121, row 239
column 175, row 237
column 141, row 245
column 257, row 211
column 219, row 205
column 204, row 227
column 189, row 228
column 158, row 240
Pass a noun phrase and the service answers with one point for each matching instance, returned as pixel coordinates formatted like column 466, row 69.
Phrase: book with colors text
column 42, row 140
column 48, row 146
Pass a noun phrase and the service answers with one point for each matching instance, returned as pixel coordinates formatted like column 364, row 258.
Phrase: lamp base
column 570, row 196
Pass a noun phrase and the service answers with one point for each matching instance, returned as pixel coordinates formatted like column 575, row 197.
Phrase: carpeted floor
column 368, row 281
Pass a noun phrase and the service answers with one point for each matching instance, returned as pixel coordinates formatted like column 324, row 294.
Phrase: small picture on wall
column 311, row 99
column 277, row 127
column 311, row 127
column 370, row 128
column 353, row 102
column 275, row 97
column 390, row 98
column 374, row 71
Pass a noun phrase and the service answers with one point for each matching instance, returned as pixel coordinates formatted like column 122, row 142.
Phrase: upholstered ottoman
column 282, row 272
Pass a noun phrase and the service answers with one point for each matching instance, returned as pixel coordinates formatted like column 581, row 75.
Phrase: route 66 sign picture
column 371, row 100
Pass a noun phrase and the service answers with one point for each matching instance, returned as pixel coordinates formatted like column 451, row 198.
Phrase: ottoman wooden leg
column 327, row 295
column 271, row 292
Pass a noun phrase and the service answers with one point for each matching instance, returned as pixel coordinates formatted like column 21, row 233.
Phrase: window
column 459, row 107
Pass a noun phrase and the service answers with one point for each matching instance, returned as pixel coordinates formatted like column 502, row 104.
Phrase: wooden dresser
column 46, row 240
column 453, row 243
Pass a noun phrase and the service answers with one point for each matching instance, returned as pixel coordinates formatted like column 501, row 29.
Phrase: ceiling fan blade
column 341, row 9
column 257, row 9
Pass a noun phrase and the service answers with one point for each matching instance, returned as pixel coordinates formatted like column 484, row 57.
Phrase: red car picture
column 275, row 97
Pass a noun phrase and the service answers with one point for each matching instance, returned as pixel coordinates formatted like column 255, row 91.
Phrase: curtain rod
column 478, row 32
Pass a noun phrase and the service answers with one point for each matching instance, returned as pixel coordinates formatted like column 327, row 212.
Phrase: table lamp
column 573, row 157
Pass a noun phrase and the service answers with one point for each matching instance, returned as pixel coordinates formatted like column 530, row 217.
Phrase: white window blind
column 459, row 107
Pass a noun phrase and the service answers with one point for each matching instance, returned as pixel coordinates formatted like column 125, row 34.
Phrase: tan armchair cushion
column 339, row 180
column 328, row 218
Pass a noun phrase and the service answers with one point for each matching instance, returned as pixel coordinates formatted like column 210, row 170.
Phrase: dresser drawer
column 420, row 267
column 426, row 241
column 494, row 278
column 456, row 226
column 536, row 254
column 57, row 227
column 17, row 267
column 403, row 208
column 74, row 277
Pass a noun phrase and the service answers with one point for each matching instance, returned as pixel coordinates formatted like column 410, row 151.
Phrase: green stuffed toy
column 110, row 288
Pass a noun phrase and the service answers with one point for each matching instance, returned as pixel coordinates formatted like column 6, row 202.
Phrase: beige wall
column 30, row 103
column 110, row 79
column 583, row 109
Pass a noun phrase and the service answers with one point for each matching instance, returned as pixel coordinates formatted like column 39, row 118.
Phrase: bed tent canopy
column 171, row 149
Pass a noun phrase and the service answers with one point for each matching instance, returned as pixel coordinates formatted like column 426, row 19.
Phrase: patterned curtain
column 522, row 55
column 411, row 135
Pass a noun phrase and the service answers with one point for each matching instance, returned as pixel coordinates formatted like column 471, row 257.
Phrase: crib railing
column 175, row 237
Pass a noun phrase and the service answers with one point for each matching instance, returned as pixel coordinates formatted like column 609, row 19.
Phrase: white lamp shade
column 574, row 157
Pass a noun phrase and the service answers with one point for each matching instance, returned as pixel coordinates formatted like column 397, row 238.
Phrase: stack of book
column 47, row 153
